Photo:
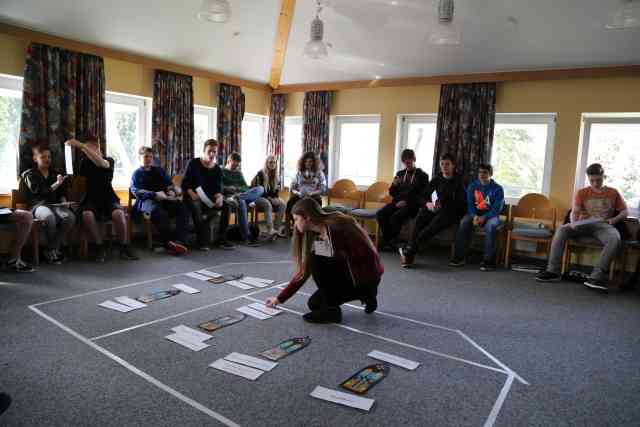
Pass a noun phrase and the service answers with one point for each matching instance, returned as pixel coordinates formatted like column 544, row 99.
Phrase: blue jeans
column 249, row 196
column 464, row 236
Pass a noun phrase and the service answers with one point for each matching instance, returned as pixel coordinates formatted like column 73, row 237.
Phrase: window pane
column 10, row 111
column 617, row 147
column 201, row 132
column 359, row 152
column 253, row 147
column 292, row 150
column 422, row 139
column 123, row 140
column 518, row 157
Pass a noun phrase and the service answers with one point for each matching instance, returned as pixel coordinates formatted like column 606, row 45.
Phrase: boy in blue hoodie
column 485, row 200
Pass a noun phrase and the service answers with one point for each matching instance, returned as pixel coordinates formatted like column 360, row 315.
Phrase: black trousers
column 391, row 218
column 202, row 214
column 160, row 218
column 428, row 224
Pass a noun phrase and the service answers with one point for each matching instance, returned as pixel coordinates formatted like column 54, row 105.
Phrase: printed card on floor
column 253, row 313
column 187, row 341
column 341, row 398
column 226, row 278
column 197, row 335
column 115, row 306
column 237, row 369
column 156, row 296
column 130, row 302
column 263, row 308
column 256, row 282
column 363, row 380
column 394, row 360
column 239, row 285
column 208, row 273
column 198, row 276
column 286, row 348
column 186, row 289
column 221, row 322
column 251, row 361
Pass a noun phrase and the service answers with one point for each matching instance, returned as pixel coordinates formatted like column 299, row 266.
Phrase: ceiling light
column 445, row 10
column 217, row 11
column 316, row 48
column 627, row 16
column 445, row 34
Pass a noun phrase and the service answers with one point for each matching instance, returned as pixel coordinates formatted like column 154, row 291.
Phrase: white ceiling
column 370, row 37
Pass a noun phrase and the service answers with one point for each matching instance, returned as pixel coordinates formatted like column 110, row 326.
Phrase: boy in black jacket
column 406, row 190
column 444, row 204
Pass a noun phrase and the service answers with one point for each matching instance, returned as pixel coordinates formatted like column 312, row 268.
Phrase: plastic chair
column 343, row 190
column 376, row 196
column 18, row 200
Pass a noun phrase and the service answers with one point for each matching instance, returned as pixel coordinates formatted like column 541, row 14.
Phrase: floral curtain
column 63, row 97
column 230, row 114
column 173, row 120
column 275, row 137
column 315, row 132
column 466, row 119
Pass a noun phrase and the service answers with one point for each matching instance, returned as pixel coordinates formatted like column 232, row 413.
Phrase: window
column 127, row 130
column 292, row 148
column 417, row 132
column 355, row 149
column 10, row 112
column 523, row 153
column 204, row 127
column 614, row 141
column 254, row 144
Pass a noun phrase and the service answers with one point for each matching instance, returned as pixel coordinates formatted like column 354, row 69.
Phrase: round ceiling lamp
column 316, row 48
column 218, row 11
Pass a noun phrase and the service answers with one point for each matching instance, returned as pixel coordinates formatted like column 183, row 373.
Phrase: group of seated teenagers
column 205, row 190
column 444, row 201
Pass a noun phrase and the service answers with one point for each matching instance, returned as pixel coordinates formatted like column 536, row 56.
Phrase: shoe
column 547, row 276
column 52, row 257
column 5, row 402
column 127, row 253
column 370, row 305
column 456, row 262
column 599, row 285
column 487, row 266
column 19, row 266
column 60, row 256
column 328, row 315
column 176, row 248
column 226, row 245
column 406, row 259
column 251, row 243
column 204, row 248
column 282, row 233
column 100, row 255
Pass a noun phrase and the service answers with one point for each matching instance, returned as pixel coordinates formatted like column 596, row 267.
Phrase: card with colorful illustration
column 221, row 322
column 155, row 296
column 226, row 278
column 362, row 381
column 286, row 348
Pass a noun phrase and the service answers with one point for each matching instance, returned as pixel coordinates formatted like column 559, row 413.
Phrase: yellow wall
column 131, row 78
column 568, row 98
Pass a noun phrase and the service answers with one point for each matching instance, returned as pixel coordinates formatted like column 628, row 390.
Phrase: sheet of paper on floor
column 237, row 369
column 186, row 289
column 187, row 341
column 197, row 335
column 209, row 273
column 252, row 362
column 263, row 308
column 394, row 360
column 198, row 276
column 116, row 306
column 341, row 398
column 253, row 313
column 130, row 302
column 239, row 285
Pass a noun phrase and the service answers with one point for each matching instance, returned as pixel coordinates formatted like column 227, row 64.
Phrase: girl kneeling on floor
column 339, row 255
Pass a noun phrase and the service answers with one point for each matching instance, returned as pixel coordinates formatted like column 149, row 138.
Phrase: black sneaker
column 251, row 243
column 598, row 285
column 203, row 248
column 52, row 257
column 331, row 315
column 19, row 266
column 547, row 276
column 5, row 402
column 226, row 245
column 100, row 254
column 370, row 305
column 406, row 258
column 487, row 266
column 456, row 262
column 127, row 253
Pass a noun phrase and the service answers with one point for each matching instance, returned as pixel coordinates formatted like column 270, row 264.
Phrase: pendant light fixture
column 218, row 11
column 445, row 33
column 316, row 48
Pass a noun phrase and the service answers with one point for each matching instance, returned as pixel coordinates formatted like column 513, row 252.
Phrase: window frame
column 14, row 83
column 586, row 121
column 551, row 120
column 334, row 143
column 402, row 133
column 292, row 120
column 264, row 123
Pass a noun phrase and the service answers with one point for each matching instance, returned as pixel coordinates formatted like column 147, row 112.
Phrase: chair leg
column 149, row 232
column 566, row 258
column 377, row 235
column 507, row 252
column 35, row 242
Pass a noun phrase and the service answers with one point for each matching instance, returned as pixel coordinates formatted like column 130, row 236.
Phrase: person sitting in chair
column 270, row 202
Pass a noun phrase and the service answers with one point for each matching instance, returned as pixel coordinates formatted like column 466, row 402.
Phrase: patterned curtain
column 275, row 138
column 315, row 132
column 230, row 115
column 173, row 120
column 63, row 97
column 466, row 118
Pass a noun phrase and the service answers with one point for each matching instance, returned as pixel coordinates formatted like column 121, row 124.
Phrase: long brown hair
column 317, row 164
column 271, row 178
column 309, row 209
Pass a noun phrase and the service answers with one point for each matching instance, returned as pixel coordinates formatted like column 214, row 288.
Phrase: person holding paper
column 485, row 201
column 158, row 199
column 270, row 202
column 605, row 208
column 45, row 192
column 335, row 250
column 202, row 185
column 100, row 202
column 236, row 187
column 310, row 181
column 23, row 221
column 444, row 204
column 407, row 189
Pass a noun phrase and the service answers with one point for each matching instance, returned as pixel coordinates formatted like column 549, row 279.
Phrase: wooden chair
column 348, row 195
column 18, row 201
column 376, row 196
column 146, row 222
column 533, row 219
